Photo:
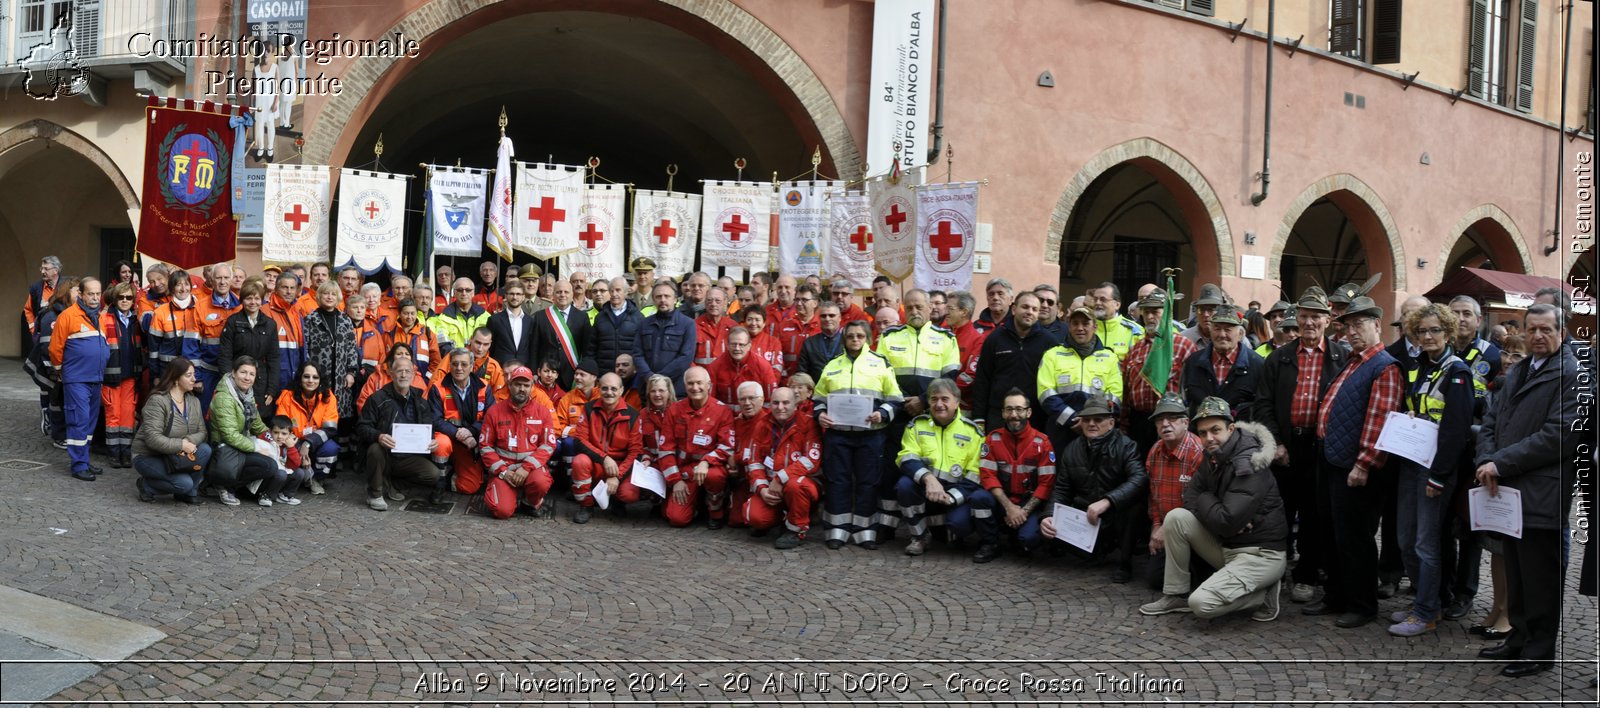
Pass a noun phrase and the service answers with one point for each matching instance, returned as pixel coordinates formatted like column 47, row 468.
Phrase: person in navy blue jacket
column 665, row 341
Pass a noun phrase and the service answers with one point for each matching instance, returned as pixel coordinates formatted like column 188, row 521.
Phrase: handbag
column 180, row 461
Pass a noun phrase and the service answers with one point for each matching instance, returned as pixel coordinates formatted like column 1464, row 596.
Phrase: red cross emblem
column 590, row 236
column 862, row 238
column 297, row 218
column 944, row 241
column 894, row 218
column 372, row 210
column 664, row 231
column 736, row 229
column 547, row 214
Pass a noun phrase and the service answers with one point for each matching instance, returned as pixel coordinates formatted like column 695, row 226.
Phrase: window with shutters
column 1346, row 28
column 1527, row 39
column 1386, row 31
column 37, row 19
column 1487, row 50
column 86, row 28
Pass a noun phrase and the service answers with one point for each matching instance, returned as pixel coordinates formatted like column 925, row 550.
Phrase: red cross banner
column 947, row 235
column 600, row 240
column 546, row 209
column 803, row 226
column 372, row 221
column 894, row 221
column 850, row 238
column 735, row 218
column 666, row 229
column 294, row 224
column 186, row 212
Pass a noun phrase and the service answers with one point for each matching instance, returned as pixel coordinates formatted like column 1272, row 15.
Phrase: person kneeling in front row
column 1233, row 518
column 397, row 403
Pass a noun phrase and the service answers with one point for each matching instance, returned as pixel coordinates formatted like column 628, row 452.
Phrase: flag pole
column 503, row 121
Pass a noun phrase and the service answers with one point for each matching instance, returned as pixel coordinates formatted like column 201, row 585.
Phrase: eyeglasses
column 1047, row 302
column 463, row 290
column 1014, row 409
column 1430, row 332
column 129, row 298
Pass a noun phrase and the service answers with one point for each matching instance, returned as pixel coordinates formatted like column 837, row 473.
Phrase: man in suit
column 561, row 332
column 512, row 329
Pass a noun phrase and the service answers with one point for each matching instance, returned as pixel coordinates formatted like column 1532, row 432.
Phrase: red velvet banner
column 187, row 217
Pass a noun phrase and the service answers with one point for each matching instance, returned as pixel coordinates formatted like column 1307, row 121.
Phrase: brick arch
column 1365, row 209
column 1208, row 225
column 40, row 129
column 1571, row 261
column 1504, row 237
column 367, row 78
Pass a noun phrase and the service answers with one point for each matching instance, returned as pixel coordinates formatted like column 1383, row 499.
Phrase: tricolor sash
column 564, row 335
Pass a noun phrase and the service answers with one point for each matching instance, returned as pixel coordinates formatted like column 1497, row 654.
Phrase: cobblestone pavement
column 411, row 607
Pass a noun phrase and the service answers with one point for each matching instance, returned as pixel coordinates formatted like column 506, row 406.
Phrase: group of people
column 1254, row 464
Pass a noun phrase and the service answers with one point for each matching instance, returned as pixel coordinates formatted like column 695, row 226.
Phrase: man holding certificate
column 397, row 404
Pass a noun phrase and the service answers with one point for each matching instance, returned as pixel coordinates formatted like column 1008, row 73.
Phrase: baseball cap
column 520, row 372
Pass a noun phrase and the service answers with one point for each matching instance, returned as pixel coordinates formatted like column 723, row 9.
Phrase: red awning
column 1500, row 289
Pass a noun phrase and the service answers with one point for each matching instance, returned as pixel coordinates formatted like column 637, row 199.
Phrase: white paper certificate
column 1501, row 513
column 412, row 438
column 646, row 477
column 849, row 409
column 1416, row 439
column 1072, row 526
column 602, row 499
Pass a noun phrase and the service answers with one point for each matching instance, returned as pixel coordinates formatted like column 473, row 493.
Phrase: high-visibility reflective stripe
column 836, row 519
column 982, row 513
column 864, row 536
column 837, row 534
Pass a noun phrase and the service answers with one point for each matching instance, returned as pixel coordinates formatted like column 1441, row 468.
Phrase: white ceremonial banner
column 456, row 201
column 850, row 237
column 295, row 214
column 666, row 229
column 947, row 235
column 803, row 226
column 894, row 222
column 735, row 221
column 901, row 83
column 600, row 240
column 546, row 211
column 501, row 224
column 1490, row 512
column 372, row 221
column 1416, row 439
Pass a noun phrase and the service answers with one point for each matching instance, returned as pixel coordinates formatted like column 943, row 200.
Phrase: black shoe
column 1318, row 608
column 1526, row 668
column 1387, row 590
column 1458, row 608
column 144, row 495
column 84, row 475
column 788, row 540
column 96, row 470
column 1500, row 651
column 715, row 524
column 834, row 544
column 1122, row 574
column 868, row 545
column 1351, row 620
column 986, row 552
column 581, row 516
column 190, row 499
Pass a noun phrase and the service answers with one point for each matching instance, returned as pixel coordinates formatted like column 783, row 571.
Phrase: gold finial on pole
column 816, row 159
column 672, row 171
column 504, row 121
column 377, row 150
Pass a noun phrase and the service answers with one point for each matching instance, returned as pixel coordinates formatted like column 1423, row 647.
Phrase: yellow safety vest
column 1118, row 335
column 1429, row 400
column 920, row 356
column 952, row 452
column 869, row 374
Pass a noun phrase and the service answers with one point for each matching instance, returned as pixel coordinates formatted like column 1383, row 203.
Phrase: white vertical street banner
column 546, row 212
column 295, row 214
column 894, row 222
column 600, row 222
column 372, row 221
column 902, row 81
column 735, row 218
column 947, row 235
column 850, row 238
column 803, row 226
column 456, row 203
column 666, row 229
column 500, row 222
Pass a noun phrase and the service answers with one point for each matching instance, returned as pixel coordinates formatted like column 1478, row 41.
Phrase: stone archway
column 41, row 129
column 1364, row 207
column 1504, row 236
column 1198, row 201
column 362, row 88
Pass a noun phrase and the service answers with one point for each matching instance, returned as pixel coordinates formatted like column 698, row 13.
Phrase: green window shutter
column 1386, row 32
column 1344, row 32
column 1202, row 7
column 1478, row 49
column 1527, row 40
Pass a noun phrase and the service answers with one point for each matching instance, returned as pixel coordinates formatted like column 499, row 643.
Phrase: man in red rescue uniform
column 459, row 404
column 750, row 416
column 698, row 447
column 782, row 457
column 607, row 441
column 1019, row 469
column 736, row 366
column 518, row 438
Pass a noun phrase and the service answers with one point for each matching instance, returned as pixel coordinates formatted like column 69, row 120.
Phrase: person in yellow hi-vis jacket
column 852, row 450
column 1074, row 371
column 939, row 462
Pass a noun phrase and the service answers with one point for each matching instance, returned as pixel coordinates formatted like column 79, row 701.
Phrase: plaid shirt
column 1303, row 407
column 1222, row 364
column 1384, row 399
column 1139, row 396
column 1169, row 472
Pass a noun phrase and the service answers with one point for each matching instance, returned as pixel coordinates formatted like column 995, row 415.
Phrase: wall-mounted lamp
column 1422, row 263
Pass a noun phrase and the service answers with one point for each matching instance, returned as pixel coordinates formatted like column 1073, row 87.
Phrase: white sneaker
column 286, row 499
column 227, row 497
column 316, row 488
column 1302, row 592
column 377, row 504
column 264, row 501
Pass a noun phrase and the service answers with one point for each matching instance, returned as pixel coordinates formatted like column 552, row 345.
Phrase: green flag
column 1158, row 364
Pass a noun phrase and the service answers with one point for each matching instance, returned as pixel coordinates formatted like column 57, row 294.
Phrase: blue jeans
column 160, row 478
column 1421, row 523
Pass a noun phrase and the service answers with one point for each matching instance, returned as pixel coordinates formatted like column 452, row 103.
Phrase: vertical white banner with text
column 894, row 222
column 546, row 210
column 803, row 226
column 372, row 221
column 666, row 229
column 600, row 240
column 850, row 238
column 947, row 235
column 294, row 225
column 456, row 201
column 902, row 82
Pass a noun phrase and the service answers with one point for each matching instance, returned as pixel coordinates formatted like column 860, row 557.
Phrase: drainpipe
column 938, row 96
column 1561, row 134
column 1266, row 129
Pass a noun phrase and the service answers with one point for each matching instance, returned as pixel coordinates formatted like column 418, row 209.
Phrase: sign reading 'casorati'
column 902, row 42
